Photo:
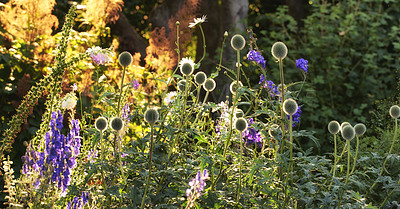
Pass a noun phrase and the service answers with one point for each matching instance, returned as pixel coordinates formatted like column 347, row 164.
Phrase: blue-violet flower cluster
column 251, row 135
column 255, row 56
column 78, row 203
column 135, row 84
column 61, row 151
column 99, row 56
column 302, row 64
column 270, row 85
column 196, row 186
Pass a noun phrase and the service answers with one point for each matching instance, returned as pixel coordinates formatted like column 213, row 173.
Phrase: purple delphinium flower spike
column 197, row 185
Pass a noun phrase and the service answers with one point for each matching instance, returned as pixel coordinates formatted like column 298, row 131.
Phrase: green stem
column 240, row 170
column 204, row 43
column 282, row 100
column 120, row 91
column 355, row 156
column 347, row 173
column 390, row 194
column 148, row 177
column 333, row 170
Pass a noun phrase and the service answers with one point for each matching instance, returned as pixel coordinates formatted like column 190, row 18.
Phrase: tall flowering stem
column 204, row 43
column 148, row 176
column 240, row 168
column 196, row 187
column 282, row 99
column 51, row 82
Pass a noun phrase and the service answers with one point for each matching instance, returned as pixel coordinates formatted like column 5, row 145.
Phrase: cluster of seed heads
column 348, row 132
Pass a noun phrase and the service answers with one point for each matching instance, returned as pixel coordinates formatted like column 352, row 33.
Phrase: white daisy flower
column 170, row 97
column 198, row 21
column 186, row 66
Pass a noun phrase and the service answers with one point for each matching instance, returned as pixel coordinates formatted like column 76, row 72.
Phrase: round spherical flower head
column 181, row 85
column 186, row 65
column 279, row 50
column 233, row 87
column 151, row 116
column 239, row 113
column 334, row 127
column 125, row 59
column 348, row 132
column 209, row 85
column 116, row 123
column 241, row 124
column 200, row 78
column 290, row 106
column 101, row 124
column 238, row 42
column 343, row 125
column 360, row 129
column 394, row 111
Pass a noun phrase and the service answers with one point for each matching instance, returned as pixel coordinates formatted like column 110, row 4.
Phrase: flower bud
column 279, row 50
column 200, row 78
column 241, row 124
column 209, row 85
column 334, row 127
column 344, row 124
column 125, row 59
column 151, row 116
column 181, row 85
column 360, row 129
column 238, row 42
column 187, row 68
column 101, row 124
column 348, row 132
column 116, row 123
column 290, row 106
column 394, row 111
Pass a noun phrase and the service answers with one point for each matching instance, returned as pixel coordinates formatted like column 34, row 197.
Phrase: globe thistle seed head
column 360, row 129
column 200, row 78
column 394, row 111
column 186, row 66
column 241, row 124
column 290, row 106
column 116, row 123
column 209, row 85
column 101, row 124
column 181, row 85
column 233, row 87
column 151, row 116
column 343, row 125
column 239, row 113
column 238, row 42
column 348, row 132
column 125, row 59
column 279, row 50
column 334, row 127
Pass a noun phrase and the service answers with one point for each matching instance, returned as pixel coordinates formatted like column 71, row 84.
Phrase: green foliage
column 352, row 48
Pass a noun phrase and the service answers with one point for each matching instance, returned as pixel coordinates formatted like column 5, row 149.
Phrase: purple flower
column 262, row 79
column 255, row 56
column 92, row 154
column 295, row 117
column 196, row 187
column 135, row 84
column 272, row 88
column 251, row 135
column 302, row 64
column 125, row 114
column 99, row 59
column 78, row 203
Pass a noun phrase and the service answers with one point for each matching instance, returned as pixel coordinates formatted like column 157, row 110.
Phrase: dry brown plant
column 28, row 19
column 100, row 12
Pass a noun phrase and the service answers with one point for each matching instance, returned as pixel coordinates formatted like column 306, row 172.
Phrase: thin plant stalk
column 240, row 169
column 204, row 43
column 333, row 170
column 390, row 194
column 348, row 171
column 355, row 156
column 148, row 177
column 120, row 91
